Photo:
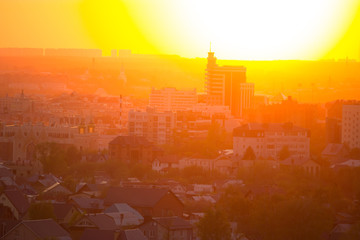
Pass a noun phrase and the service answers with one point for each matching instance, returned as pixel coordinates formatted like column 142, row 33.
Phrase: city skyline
column 115, row 125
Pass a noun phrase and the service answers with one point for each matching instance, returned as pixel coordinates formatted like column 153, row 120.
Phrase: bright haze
column 244, row 30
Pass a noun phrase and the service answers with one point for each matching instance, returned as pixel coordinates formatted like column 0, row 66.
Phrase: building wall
column 141, row 154
column 171, row 99
column 153, row 231
column 206, row 164
column 168, row 206
column 351, row 125
column 156, row 127
column 268, row 144
column 24, row 139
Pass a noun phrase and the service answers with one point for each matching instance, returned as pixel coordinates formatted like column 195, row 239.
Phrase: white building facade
column 267, row 140
column 171, row 99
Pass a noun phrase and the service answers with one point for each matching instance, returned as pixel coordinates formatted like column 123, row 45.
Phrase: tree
column 289, row 219
column 284, row 153
column 249, row 154
column 214, row 226
column 52, row 157
column 233, row 203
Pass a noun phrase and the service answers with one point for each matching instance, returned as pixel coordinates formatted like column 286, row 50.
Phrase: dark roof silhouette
column 96, row 234
column 173, row 222
column 102, row 221
column 139, row 197
column 88, row 203
column 131, row 234
column 18, row 199
column 130, row 141
column 332, row 149
column 45, row 229
column 61, row 209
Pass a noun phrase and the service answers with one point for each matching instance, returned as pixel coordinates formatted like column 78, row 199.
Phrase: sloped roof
column 140, row 197
column 341, row 228
column 132, row 234
column 90, row 187
column 120, row 208
column 5, row 171
column 130, row 141
column 124, row 215
column 61, row 209
column 18, row 199
column 332, row 149
column 88, row 203
column 173, row 222
column 102, row 221
column 57, row 187
column 46, row 229
column 96, row 234
column 350, row 163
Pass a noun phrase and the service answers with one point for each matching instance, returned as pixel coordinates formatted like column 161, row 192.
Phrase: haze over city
column 180, row 120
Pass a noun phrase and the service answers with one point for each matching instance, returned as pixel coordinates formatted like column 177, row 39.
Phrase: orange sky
column 257, row 29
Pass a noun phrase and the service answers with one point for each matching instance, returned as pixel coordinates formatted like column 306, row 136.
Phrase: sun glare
column 257, row 29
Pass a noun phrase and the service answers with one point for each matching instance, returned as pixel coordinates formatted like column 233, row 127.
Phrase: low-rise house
column 351, row 163
column 16, row 201
column 133, row 149
column 334, row 153
column 91, row 221
column 204, row 163
column 340, row 231
column 170, row 228
column 37, row 230
column 93, row 190
column 96, row 221
column 204, row 198
column 65, row 213
column 95, row 158
column 124, row 215
column 164, row 163
column 203, row 188
column 42, row 182
column 56, row 191
column 308, row 165
column 148, row 201
column 88, row 205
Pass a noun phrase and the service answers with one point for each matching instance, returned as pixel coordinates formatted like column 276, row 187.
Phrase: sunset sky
column 238, row 29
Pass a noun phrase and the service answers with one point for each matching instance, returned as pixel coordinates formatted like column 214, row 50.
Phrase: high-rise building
column 171, row 99
column 351, row 125
column 226, row 85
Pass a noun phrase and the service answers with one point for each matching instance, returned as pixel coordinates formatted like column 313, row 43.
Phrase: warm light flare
column 256, row 29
